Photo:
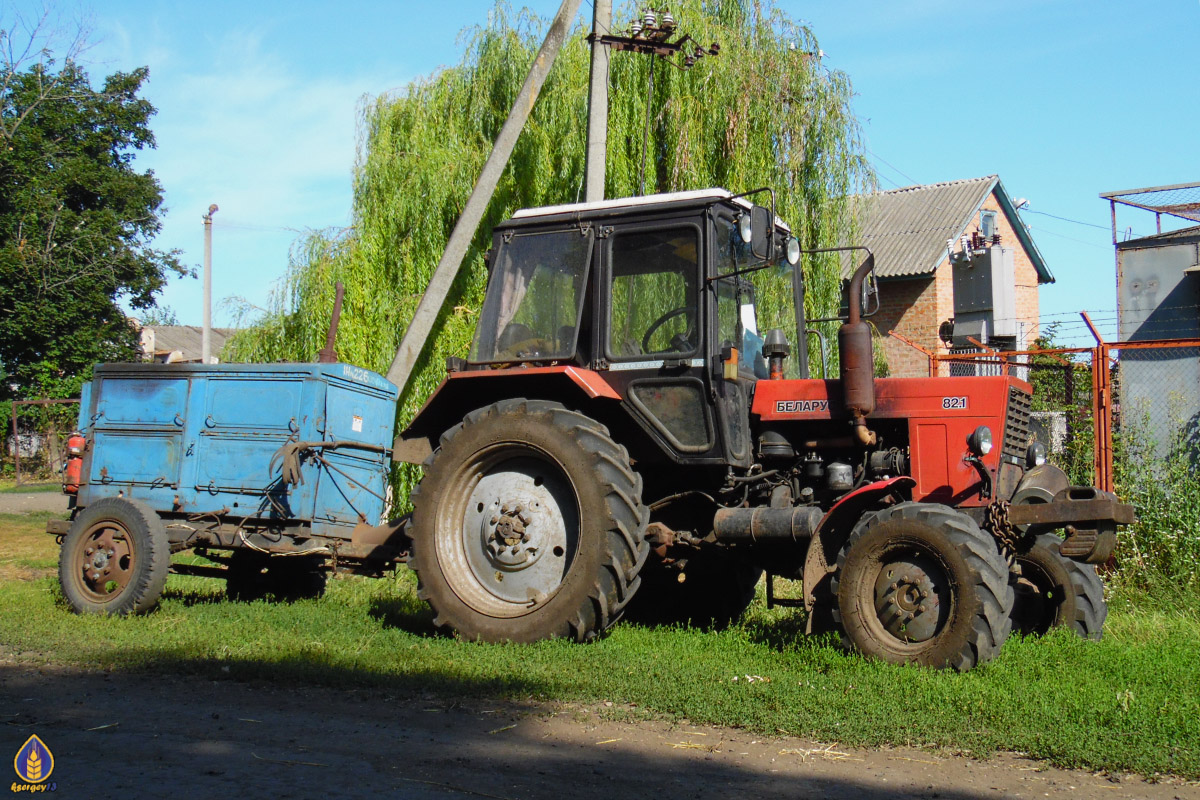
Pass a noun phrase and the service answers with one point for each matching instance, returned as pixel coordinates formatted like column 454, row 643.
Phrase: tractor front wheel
column 528, row 525
column 920, row 583
column 1055, row 591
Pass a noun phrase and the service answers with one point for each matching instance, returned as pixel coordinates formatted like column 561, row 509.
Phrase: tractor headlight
column 980, row 442
column 745, row 227
column 793, row 251
column 1035, row 456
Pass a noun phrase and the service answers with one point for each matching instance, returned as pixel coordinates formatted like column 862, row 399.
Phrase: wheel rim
column 1039, row 599
column 509, row 530
column 912, row 595
column 105, row 558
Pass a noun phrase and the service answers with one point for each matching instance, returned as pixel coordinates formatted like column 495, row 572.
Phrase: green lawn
column 1129, row 702
column 9, row 486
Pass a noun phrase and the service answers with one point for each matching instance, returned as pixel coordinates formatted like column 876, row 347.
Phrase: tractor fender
column 463, row 392
column 833, row 529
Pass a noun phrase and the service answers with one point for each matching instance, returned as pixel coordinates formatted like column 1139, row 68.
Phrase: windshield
column 772, row 302
column 534, row 298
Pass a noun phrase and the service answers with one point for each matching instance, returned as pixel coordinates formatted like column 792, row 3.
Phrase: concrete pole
column 597, row 136
column 464, row 230
column 206, row 332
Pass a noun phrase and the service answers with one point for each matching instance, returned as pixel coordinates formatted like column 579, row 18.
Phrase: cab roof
column 655, row 202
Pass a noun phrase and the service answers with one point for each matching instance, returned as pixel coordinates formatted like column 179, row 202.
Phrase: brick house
column 954, row 262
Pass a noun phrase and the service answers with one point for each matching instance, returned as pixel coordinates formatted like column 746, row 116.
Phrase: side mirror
column 761, row 226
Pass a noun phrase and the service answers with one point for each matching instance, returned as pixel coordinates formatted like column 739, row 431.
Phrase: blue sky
column 1063, row 99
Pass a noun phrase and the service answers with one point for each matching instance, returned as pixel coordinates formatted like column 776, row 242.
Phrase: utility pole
column 206, row 332
column 649, row 34
column 464, row 230
column 597, row 134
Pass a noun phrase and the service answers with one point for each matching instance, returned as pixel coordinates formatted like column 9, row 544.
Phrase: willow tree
column 765, row 112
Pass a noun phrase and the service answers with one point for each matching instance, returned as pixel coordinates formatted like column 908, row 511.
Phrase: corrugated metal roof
column 907, row 228
column 186, row 339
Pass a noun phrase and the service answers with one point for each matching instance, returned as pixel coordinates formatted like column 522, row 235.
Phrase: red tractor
column 622, row 439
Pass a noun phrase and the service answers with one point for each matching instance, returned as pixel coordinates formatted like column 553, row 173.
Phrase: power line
column 901, row 172
column 1065, row 219
column 1068, row 238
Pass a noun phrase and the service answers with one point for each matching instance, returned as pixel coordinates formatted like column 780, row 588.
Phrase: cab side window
column 653, row 289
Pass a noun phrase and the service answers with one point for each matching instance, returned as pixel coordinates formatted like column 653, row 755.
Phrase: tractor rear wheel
column 528, row 525
column 717, row 589
column 920, row 583
column 114, row 558
column 1054, row 591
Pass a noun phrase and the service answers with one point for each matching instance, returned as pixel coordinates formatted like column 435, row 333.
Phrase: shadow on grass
column 405, row 613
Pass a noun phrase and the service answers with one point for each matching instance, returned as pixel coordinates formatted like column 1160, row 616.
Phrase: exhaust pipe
column 856, row 356
column 764, row 523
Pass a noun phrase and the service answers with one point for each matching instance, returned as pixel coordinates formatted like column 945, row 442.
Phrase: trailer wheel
column 1054, row 591
column 920, row 583
column 717, row 589
column 114, row 558
column 528, row 525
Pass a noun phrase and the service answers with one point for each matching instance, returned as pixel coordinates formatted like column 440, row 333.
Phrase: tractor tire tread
column 623, row 533
column 992, row 622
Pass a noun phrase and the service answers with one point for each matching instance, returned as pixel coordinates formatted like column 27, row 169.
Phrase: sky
column 1063, row 99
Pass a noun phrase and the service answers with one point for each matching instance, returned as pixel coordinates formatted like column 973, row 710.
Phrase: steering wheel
column 658, row 323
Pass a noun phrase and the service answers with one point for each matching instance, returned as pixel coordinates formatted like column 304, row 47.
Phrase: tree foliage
column 76, row 222
column 763, row 113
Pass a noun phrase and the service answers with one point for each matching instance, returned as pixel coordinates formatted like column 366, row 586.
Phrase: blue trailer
column 275, row 471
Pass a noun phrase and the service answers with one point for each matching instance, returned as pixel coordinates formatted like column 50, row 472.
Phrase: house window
column 987, row 223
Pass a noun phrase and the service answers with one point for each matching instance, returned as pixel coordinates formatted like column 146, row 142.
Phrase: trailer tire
column 920, row 583
column 114, row 558
column 541, row 495
column 717, row 590
column 1054, row 591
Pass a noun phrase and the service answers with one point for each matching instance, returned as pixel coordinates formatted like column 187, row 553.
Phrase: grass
column 1128, row 703
column 10, row 486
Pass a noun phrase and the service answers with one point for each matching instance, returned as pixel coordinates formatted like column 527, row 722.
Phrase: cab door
column 734, row 328
column 652, row 336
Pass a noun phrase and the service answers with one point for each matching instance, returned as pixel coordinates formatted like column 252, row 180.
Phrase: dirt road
column 24, row 502
column 131, row 736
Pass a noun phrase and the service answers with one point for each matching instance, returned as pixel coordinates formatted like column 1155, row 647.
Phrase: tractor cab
column 649, row 292
column 653, row 267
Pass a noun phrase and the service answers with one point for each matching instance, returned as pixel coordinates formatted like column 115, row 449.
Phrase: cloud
column 246, row 126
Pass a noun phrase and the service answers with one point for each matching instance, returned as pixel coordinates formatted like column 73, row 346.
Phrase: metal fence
column 1133, row 402
column 36, row 444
